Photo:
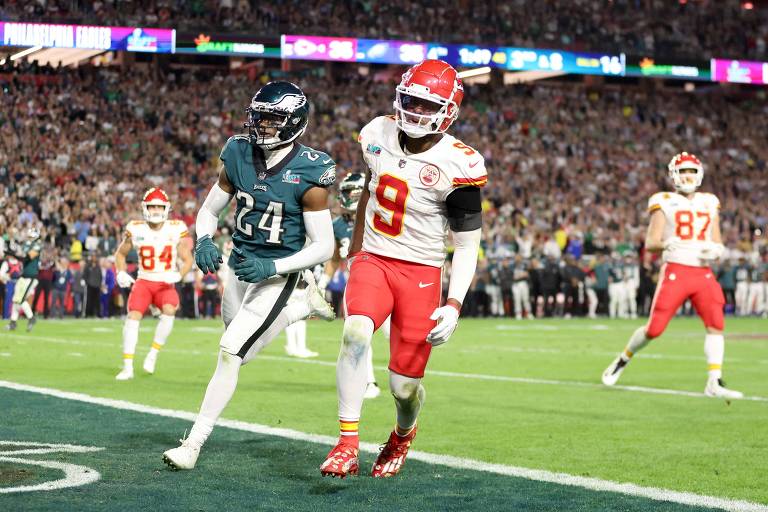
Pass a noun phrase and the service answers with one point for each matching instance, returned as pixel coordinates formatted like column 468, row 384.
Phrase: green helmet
column 350, row 190
column 286, row 106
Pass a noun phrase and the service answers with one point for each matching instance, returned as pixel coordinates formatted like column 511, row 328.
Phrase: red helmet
column 430, row 82
column 690, row 182
column 155, row 197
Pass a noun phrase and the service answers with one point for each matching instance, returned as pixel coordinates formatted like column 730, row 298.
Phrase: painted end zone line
column 595, row 484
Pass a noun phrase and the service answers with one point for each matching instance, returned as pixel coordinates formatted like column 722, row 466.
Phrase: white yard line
column 594, row 484
column 437, row 373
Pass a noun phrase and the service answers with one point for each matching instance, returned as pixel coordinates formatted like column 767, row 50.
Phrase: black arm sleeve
column 464, row 209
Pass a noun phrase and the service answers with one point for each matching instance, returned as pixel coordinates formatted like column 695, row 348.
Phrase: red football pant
column 146, row 292
column 680, row 282
column 379, row 287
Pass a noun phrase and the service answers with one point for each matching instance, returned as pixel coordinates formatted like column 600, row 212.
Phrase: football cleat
column 11, row 326
column 372, row 390
column 31, row 323
column 317, row 303
column 613, row 372
column 716, row 388
column 183, row 457
column 341, row 461
column 125, row 374
column 392, row 457
column 149, row 362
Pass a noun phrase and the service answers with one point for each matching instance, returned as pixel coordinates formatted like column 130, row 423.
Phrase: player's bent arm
column 185, row 254
column 717, row 236
column 122, row 251
column 653, row 237
column 464, row 212
column 357, row 234
column 334, row 263
column 218, row 198
column 319, row 226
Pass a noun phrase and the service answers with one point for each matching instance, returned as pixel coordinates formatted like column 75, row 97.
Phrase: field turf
column 502, row 392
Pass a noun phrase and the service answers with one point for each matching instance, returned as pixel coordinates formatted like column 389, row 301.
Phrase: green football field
column 515, row 419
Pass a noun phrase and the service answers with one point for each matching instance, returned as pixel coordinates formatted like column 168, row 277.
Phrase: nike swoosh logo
column 326, row 162
column 423, row 285
column 474, row 164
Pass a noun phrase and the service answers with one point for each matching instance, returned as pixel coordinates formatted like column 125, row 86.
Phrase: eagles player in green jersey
column 28, row 252
column 350, row 190
column 282, row 227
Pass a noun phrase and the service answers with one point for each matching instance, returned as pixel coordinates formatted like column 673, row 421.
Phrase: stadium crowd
column 664, row 27
column 571, row 168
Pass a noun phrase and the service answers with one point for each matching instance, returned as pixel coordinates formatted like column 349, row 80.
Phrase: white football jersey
column 157, row 249
column 406, row 215
column 690, row 220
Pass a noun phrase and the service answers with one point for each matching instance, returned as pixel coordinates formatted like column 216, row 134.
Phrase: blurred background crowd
column 683, row 28
column 571, row 165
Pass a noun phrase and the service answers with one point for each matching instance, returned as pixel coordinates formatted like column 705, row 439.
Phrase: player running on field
column 158, row 242
column 281, row 189
column 685, row 228
column 421, row 186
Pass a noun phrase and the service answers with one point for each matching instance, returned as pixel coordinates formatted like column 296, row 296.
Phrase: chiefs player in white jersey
column 422, row 184
column 685, row 227
column 158, row 242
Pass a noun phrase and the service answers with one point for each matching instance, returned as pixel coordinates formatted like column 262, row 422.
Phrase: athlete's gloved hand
column 252, row 269
column 711, row 251
column 322, row 283
column 447, row 319
column 124, row 279
column 344, row 247
column 207, row 255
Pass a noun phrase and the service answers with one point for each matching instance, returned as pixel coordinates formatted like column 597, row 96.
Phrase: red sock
column 349, row 432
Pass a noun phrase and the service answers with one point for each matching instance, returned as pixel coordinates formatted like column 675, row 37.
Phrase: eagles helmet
column 281, row 106
column 350, row 190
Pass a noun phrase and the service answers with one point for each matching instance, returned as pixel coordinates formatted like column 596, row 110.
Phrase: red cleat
column 341, row 461
column 392, row 457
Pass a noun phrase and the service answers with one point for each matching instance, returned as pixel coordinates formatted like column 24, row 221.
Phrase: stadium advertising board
column 739, row 71
column 648, row 66
column 87, row 37
column 207, row 43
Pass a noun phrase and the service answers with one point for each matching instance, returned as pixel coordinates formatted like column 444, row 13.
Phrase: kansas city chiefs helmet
column 686, row 183
column 155, row 197
column 428, row 98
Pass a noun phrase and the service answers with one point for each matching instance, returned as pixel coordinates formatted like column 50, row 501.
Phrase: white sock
column 714, row 349
column 130, row 339
column 162, row 331
column 637, row 341
column 25, row 307
column 290, row 338
column 369, row 365
column 217, row 396
column 15, row 312
column 351, row 371
column 409, row 397
column 300, row 328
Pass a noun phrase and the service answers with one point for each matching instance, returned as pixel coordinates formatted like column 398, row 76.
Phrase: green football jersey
column 268, row 218
column 31, row 265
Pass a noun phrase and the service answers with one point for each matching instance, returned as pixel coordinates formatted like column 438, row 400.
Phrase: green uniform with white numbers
column 268, row 220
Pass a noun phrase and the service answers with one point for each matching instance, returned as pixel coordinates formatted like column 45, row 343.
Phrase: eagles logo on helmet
column 428, row 98
column 155, row 197
column 350, row 190
column 686, row 183
column 278, row 115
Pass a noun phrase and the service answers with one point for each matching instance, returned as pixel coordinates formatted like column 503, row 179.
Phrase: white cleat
column 716, row 388
column 614, row 370
column 149, row 362
column 372, row 390
column 318, row 305
column 183, row 457
column 126, row 374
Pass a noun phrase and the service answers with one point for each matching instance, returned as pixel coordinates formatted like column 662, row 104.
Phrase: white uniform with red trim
column 157, row 249
column 688, row 219
column 406, row 214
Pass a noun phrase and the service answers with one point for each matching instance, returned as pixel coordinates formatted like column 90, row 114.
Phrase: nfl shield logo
column 401, row 163
column 262, row 175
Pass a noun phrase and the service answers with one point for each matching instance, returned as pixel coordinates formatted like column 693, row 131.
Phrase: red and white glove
column 124, row 279
column 711, row 251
